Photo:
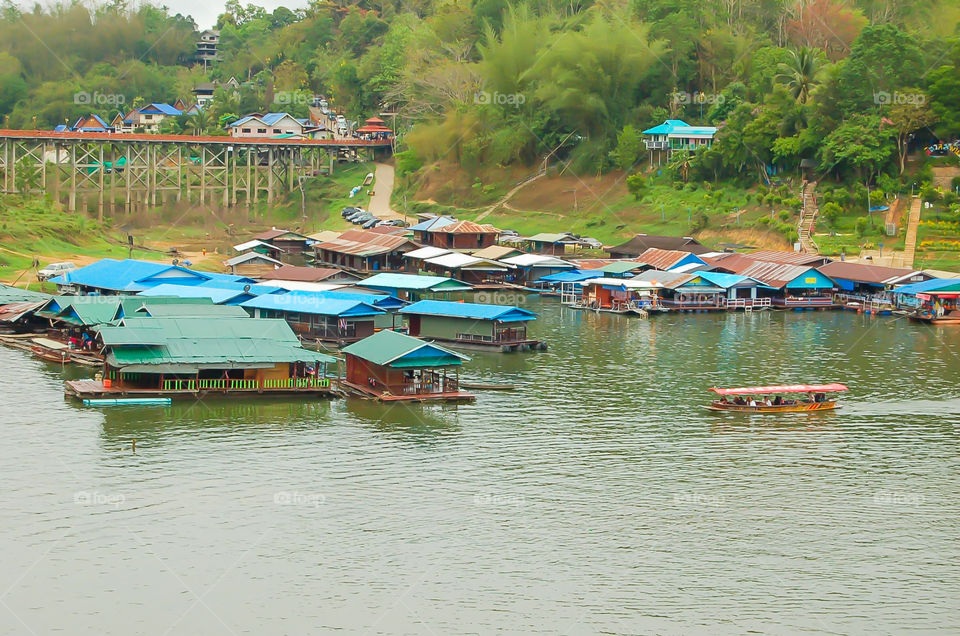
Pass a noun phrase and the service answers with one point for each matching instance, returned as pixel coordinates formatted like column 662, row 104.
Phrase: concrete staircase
column 913, row 223
column 808, row 218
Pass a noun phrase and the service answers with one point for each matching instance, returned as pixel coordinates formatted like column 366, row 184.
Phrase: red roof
column 303, row 274
column 466, row 227
column 374, row 120
column 191, row 139
column 361, row 242
column 783, row 388
column 662, row 259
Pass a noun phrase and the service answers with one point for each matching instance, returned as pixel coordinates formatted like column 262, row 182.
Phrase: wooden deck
column 81, row 389
column 363, row 391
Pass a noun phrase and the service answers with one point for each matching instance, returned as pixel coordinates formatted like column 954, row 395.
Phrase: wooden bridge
column 137, row 170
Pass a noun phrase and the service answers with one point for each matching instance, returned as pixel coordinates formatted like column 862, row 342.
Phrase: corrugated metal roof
column 307, row 274
column 312, row 303
column 390, row 348
column 434, row 223
column 664, row 259
column 552, row 237
column 10, row 294
column 361, row 243
column 536, row 260
column 570, row 276
column 863, row 272
column 191, row 310
column 775, row 274
column 216, row 294
column 465, row 227
column 457, row 260
column 789, row 258
column 157, row 341
column 934, row 284
column 621, row 267
column 642, row 242
column 427, row 252
column 475, row 311
column 250, row 256
column 413, row 282
column 495, row 252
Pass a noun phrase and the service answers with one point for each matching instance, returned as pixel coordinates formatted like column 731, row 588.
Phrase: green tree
column 629, row 148
column 800, row 73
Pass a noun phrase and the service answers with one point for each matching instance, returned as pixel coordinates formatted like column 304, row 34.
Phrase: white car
column 55, row 269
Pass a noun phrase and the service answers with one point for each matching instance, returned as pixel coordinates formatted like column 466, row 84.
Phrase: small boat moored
column 757, row 399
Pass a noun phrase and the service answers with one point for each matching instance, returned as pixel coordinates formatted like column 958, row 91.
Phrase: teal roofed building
column 673, row 135
column 472, row 325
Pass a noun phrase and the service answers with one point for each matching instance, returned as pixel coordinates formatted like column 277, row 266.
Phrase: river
column 597, row 498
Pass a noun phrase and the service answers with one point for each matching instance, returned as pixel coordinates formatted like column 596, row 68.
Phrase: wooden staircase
column 808, row 218
column 913, row 223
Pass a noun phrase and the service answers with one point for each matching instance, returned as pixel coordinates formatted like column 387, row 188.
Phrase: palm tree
column 800, row 73
column 199, row 121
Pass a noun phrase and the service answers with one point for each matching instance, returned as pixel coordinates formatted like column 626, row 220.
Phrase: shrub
column 860, row 227
column 785, row 215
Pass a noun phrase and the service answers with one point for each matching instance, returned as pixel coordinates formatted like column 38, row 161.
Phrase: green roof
column 413, row 282
column 400, row 351
column 191, row 310
column 10, row 294
column 87, row 314
column 201, row 342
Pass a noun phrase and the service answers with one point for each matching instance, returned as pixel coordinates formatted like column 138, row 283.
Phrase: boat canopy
column 784, row 388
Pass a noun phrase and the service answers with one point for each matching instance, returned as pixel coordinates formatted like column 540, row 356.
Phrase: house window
column 148, row 116
column 277, row 131
column 261, row 130
column 246, row 130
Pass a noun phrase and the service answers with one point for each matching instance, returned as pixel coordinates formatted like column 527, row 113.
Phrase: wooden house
column 193, row 356
column 285, row 240
column 467, row 268
column 473, row 325
column 642, row 242
column 360, row 250
column 412, row 286
column 461, row 235
column 392, row 366
column 252, row 264
column 315, row 316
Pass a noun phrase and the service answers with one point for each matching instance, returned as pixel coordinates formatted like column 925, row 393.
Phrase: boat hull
column 802, row 407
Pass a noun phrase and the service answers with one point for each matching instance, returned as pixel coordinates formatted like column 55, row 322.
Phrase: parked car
column 55, row 269
column 371, row 223
column 345, row 212
column 394, row 223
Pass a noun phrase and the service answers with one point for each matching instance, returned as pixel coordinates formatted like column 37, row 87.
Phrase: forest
column 851, row 85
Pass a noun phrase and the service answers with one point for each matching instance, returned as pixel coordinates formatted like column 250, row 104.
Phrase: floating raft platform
column 95, row 389
column 367, row 392
column 157, row 401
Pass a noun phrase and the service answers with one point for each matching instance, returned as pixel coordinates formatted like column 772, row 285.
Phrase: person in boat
column 753, row 403
column 767, row 402
column 819, row 397
column 777, row 401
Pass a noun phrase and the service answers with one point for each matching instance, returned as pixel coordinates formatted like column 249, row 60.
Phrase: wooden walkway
column 456, row 396
column 913, row 224
column 808, row 218
column 95, row 389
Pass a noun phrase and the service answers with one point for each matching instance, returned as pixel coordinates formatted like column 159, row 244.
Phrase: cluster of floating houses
column 384, row 314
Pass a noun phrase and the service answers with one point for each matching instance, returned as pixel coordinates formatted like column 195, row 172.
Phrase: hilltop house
column 267, row 126
column 150, row 116
column 673, row 135
column 207, row 47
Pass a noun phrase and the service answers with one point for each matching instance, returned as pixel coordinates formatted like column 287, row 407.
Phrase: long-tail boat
column 757, row 399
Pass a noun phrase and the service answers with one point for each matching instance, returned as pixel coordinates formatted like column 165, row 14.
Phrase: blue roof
column 679, row 126
column 217, row 295
column 571, row 276
column 727, row 280
column 312, row 303
column 272, row 118
column 109, row 273
column 432, row 224
column 925, row 286
column 475, row 311
column 383, row 301
column 242, row 120
column 255, row 290
column 163, row 109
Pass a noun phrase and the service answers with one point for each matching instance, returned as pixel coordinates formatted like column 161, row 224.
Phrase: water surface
column 598, row 498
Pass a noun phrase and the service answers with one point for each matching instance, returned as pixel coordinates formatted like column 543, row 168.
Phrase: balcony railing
column 656, row 145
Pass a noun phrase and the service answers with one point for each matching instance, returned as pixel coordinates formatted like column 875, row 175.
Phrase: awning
column 784, row 388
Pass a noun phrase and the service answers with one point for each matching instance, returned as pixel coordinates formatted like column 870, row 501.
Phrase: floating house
column 415, row 259
column 642, row 242
column 793, row 286
column 111, row 276
column 925, row 295
column 391, row 366
column 496, row 252
column 614, row 295
column 313, row 316
column 622, row 269
column 217, row 295
column 869, row 281
column 531, row 267
column 196, row 356
column 666, row 260
column 422, row 231
column 681, row 291
column 469, row 269
column 412, row 286
column 553, row 243
column 472, row 325
column 251, row 264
